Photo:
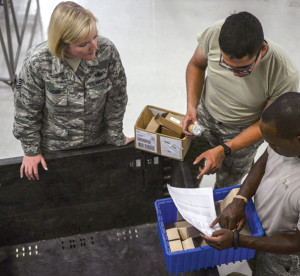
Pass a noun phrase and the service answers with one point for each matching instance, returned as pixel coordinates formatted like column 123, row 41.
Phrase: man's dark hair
column 284, row 115
column 241, row 35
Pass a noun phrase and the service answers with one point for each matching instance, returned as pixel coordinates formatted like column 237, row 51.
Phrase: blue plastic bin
column 207, row 256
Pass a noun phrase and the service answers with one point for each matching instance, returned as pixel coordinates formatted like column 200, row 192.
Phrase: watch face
column 227, row 149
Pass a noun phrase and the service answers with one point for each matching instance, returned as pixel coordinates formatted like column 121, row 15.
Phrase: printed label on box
column 171, row 147
column 146, row 140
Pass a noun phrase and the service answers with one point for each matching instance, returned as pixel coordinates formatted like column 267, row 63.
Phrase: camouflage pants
column 234, row 166
column 268, row 264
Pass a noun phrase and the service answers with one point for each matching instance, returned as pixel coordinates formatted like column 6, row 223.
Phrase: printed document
column 196, row 206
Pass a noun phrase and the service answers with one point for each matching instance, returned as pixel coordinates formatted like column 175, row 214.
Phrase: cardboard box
column 159, row 143
column 169, row 132
column 172, row 122
column 153, row 125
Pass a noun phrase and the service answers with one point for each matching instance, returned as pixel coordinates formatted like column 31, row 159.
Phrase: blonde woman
column 71, row 91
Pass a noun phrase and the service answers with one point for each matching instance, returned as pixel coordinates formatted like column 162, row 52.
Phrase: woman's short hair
column 69, row 23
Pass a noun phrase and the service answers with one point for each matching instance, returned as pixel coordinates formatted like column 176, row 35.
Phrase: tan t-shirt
column 73, row 62
column 239, row 101
column 277, row 199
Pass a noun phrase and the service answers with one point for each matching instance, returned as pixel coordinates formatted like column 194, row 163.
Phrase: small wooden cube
column 188, row 244
column 177, row 224
column 175, row 245
column 173, row 234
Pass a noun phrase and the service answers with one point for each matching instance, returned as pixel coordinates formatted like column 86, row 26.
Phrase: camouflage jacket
column 56, row 109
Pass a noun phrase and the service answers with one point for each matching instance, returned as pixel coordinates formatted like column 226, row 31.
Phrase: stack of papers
column 196, row 206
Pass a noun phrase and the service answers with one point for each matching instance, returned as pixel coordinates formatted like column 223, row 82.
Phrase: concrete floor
column 156, row 39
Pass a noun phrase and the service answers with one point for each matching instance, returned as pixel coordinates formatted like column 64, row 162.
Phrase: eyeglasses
column 223, row 64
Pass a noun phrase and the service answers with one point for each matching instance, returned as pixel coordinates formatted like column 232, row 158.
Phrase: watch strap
column 235, row 239
column 227, row 150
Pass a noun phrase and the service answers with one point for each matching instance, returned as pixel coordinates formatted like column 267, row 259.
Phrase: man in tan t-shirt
column 233, row 75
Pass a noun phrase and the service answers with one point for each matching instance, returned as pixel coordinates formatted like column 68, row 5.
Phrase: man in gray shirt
column 274, row 180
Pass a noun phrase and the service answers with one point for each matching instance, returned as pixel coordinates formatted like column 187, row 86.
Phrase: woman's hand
column 129, row 140
column 30, row 166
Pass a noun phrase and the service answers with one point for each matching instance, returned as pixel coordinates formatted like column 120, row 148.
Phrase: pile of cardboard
column 166, row 123
column 159, row 131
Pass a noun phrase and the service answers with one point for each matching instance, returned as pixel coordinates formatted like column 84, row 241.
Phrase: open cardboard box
column 155, row 142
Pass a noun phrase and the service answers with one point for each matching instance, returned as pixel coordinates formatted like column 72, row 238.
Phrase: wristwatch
column 235, row 239
column 227, row 150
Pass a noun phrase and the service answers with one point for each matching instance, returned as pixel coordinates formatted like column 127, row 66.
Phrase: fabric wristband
column 235, row 239
column 242, row 197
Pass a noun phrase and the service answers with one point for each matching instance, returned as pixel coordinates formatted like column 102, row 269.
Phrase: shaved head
column 284, row 115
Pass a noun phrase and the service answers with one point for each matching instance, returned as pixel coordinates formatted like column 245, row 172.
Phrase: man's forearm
column 283, row 244
column 246, row 138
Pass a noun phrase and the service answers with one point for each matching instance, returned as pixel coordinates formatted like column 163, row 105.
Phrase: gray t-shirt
column 237, row 101
column 277, row 199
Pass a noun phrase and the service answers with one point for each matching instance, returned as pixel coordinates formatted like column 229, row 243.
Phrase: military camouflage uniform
column 56, row 109
column 234, row 166
column 269, row 264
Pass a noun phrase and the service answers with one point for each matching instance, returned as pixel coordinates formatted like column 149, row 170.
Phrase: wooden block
column 188, row 232
column 171, row 121
column 228, row 199
column 175, row 245
column 246, row 229
column 177, row 224
column 188, row 244
column 173, row 234
column 183, row 233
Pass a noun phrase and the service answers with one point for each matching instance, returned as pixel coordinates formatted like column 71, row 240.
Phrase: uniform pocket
column 56, row 95
column 56, row 98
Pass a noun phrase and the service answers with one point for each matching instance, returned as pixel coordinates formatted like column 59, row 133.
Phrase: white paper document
column 196, row 206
